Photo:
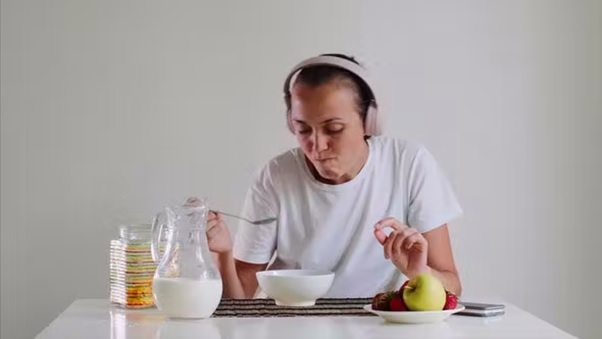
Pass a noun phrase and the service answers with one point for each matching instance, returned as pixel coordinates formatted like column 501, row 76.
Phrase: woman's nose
column 320, row 142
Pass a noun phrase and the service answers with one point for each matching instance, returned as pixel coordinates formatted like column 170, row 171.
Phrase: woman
column 338, row 195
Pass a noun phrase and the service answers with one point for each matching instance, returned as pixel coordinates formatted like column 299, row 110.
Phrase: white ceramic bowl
column 295, row 287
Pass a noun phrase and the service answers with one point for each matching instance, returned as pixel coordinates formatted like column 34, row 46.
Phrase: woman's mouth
column 324, row 159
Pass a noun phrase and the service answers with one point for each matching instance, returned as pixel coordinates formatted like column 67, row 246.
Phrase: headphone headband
column 330, row 61
column 372, row 119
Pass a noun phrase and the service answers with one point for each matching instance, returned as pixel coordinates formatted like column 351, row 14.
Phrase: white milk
column 187, row 298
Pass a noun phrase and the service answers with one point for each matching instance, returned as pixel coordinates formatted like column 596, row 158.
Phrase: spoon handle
column 258, row 222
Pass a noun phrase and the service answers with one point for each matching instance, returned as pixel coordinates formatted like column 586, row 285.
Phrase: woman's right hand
column 218, row 235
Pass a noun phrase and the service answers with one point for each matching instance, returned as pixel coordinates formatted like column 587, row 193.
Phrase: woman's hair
column 315, row 76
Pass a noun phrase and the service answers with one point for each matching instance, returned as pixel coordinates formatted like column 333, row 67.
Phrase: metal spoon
column 256, row 222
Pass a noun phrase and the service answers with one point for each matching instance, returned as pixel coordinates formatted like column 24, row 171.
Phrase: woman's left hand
column 405, row 246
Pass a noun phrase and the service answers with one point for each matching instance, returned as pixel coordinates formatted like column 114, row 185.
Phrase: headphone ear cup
column 372, row 124
column 289, row 122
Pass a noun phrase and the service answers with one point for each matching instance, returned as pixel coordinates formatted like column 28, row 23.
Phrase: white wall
column 113, row 109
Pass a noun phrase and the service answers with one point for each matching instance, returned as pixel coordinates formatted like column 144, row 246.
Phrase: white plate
column 414, row 317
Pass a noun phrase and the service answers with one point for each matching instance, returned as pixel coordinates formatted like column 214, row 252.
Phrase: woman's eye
column 335, row 129
column 304, row 131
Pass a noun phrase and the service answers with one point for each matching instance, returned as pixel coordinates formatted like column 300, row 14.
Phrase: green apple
column 424, row 292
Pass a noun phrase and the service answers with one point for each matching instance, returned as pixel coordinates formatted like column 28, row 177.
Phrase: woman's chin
column 329, row 175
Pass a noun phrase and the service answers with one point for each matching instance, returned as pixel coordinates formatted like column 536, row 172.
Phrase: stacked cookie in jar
column 132, row 267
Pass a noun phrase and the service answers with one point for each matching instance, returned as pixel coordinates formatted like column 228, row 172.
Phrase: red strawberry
column 451, row 301
column 377, row 301
column 396, row 304
column 381, row 301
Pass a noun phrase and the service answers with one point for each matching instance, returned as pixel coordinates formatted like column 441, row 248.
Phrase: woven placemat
column 241, row 308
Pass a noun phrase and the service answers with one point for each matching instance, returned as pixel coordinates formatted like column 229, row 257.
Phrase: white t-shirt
column 330, row 227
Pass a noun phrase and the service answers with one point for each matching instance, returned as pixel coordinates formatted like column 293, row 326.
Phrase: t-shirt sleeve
column 432, row 201
column 256, row 243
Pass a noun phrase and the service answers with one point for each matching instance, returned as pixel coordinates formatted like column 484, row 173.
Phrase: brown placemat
column 241, row 308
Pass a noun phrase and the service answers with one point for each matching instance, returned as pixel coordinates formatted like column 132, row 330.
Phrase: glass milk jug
column 187, row 283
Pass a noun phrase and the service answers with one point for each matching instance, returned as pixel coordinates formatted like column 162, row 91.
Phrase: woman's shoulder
column 281, row 164
column 396, row 147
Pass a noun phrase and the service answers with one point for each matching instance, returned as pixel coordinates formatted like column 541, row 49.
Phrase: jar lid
column 139, row 232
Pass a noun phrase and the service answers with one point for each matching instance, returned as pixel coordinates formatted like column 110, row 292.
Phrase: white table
column 97, row 318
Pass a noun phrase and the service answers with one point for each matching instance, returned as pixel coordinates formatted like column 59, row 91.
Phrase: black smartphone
column 481, row 309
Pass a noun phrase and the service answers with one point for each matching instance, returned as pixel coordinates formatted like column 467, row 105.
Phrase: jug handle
column 156, row 231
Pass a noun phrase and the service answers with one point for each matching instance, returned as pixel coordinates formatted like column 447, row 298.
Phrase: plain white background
column 113, row 109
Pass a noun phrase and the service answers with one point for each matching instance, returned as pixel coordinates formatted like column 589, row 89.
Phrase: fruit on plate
column 402, row 287
column 381, row 301
column 378, row 301
column 397, row 304
column 424, row 292
column 451, row 301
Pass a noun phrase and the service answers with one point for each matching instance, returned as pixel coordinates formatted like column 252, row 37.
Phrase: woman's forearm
column 232, row 287
column 450, row 280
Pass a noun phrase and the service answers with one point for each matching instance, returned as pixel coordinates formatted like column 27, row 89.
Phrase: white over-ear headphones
column 372, row 121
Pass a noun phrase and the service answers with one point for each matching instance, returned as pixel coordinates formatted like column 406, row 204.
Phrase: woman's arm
column 414, row 253
column 238, row 277
column 440, row 258
column 246, row 272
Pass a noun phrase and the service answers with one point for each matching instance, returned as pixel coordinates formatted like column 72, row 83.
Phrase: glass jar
column 132, row 267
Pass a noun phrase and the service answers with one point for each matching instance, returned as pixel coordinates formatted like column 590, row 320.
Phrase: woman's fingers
column 388, row 245
column 213, row 231
column 380, row 236
column 401, row 245
column 416, row 241
column 410, row 241
column 408, row 232
column 379, row 227
column 213, row 215
column 402, row 237
column 388, row 222
column 400, row 241
column 212, row 221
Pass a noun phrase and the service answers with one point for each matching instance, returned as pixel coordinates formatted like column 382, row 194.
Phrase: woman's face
column 329, row 129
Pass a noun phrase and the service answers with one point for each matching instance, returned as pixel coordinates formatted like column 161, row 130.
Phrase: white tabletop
column 97, row 318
